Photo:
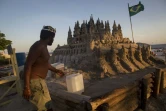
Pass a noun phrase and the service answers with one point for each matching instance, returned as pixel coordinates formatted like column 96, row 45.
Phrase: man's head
column 48, row 34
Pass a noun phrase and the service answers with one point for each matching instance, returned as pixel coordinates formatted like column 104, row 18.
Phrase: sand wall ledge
column 132, row 95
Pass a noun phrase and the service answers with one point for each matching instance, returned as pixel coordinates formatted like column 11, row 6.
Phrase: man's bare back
column 40, row 66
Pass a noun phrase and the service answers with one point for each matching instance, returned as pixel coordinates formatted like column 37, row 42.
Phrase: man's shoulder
column 37, row 45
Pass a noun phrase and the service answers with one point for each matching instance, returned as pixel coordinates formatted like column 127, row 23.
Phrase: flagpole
column 131, row 23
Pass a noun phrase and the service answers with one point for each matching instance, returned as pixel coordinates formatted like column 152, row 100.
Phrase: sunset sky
column 22, row 20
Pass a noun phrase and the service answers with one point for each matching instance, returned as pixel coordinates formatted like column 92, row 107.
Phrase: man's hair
column 46, row 32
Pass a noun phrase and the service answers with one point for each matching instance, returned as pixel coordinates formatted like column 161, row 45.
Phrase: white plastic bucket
column 75, row 83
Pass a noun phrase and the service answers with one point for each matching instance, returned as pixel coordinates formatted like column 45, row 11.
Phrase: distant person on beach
column 35, row 71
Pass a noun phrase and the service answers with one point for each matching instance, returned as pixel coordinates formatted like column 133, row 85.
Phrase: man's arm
column 53, row 69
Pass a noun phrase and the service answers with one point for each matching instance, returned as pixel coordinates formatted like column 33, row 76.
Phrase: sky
column 22, row 20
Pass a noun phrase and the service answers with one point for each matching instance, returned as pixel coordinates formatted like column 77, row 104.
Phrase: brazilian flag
column 133, row 10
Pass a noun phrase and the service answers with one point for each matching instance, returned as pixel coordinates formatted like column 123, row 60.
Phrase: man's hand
column 60, row 73
column 26, row 93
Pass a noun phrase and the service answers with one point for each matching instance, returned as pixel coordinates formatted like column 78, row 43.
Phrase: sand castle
column 94, row 47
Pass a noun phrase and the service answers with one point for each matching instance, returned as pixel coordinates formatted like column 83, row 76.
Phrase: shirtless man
column 36, row 68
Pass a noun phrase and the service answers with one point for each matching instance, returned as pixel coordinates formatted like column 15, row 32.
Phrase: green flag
column 133, row 10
